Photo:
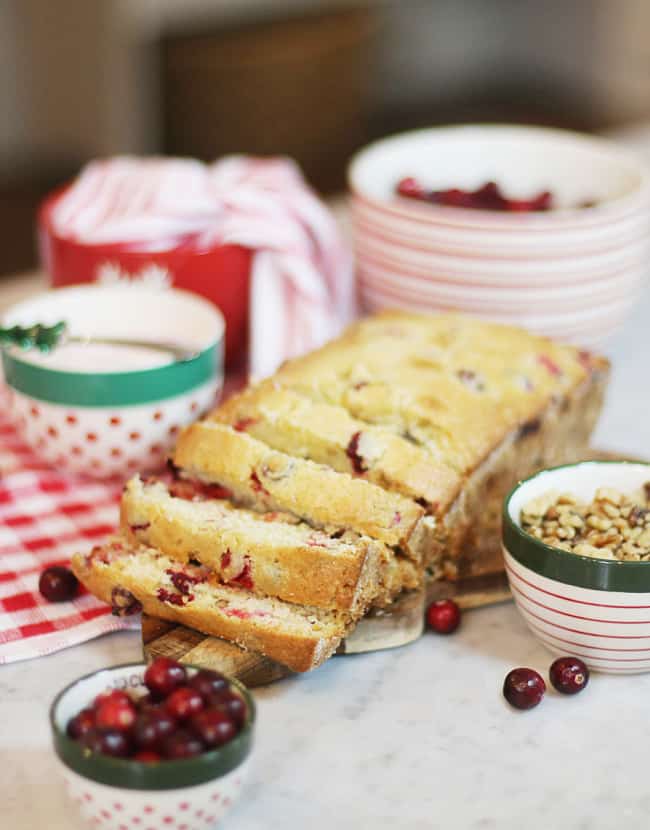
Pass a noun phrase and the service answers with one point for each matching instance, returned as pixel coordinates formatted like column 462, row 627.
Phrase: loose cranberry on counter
column 209, row 683
column 182, row 744
column 152, row 726
column 81, row 724
column 523, row 688
column 234, row 706
column 443, row 616
column 163, row 676
column 58, row 584
column 569, row 675
column 184, row 702
column 214, row 727
column 115, row 713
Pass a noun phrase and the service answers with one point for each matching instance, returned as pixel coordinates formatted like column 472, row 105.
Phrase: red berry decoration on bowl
column 569, row 675
column 443, row 616
column 163, row 676
column 58, row 584
column 523, row 688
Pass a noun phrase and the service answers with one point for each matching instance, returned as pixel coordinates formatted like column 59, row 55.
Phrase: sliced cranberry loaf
column 140, row 578
column 328, row 434
column 336, row 483
column 267, row 553
column 493, row 403
column 267, row 479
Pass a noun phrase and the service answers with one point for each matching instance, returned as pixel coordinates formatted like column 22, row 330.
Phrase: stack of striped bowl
column 571, row 273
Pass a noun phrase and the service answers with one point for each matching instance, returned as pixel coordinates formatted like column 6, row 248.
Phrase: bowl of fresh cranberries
column 531, row 226
column 160, row 745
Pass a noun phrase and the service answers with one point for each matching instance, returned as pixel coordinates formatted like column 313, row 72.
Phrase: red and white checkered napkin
column 44, row 518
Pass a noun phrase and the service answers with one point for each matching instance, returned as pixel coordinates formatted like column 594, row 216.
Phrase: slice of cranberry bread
column 328, row 434
column 267, row 553
column 134, row 579
column 266, row 479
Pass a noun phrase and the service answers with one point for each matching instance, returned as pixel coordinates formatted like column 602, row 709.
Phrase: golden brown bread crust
column 327, row 434
column 470, row 531
column 300, row 647
column 258, row 551
column 269, row 480
column 454, row 385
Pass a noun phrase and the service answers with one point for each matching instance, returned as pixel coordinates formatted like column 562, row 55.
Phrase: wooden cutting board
column 380, row 629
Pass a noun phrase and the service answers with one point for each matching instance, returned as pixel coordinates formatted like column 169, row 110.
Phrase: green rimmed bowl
column 596, row 609
column 102, row 410
column 117, row 793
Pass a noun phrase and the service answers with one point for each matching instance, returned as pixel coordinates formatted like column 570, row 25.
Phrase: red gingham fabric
column 46, row 516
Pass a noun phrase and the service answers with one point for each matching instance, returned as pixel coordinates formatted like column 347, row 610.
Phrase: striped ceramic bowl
column 596, row 609
column 571, row 273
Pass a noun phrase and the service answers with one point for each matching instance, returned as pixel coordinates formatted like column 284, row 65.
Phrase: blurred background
column 312, row 79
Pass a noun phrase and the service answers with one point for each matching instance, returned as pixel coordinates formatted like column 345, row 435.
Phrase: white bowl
column 596, row 609
column 117, row 412
column 568, row 273
column 115, row 793
column 523, row 160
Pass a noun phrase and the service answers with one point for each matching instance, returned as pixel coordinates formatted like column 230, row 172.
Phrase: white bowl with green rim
column 114, row 793
column 596, row 609
column 109, row 410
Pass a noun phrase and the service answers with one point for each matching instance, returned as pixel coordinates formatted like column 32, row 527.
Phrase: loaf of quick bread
column 348, row 477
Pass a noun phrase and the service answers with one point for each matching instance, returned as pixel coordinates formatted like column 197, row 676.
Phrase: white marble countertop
column 419, row 737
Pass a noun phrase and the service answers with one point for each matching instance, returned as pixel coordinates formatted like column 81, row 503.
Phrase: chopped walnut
column 613, row 525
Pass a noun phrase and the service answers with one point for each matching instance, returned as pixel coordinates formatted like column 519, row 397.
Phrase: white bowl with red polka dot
column 119, row 794
column 84, row 419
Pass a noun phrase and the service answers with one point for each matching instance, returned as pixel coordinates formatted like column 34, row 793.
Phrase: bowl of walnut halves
column 576, row 542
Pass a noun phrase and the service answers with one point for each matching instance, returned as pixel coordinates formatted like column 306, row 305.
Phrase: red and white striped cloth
column 302, row 291
column 44, row 518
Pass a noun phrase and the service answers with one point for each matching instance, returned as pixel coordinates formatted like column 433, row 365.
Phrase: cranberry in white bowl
column 167, row 744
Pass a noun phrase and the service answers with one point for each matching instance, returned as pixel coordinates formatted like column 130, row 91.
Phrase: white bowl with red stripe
column 596, row 609
column 571, row 273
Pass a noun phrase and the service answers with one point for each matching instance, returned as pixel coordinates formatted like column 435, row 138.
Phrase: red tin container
column 220, row 274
